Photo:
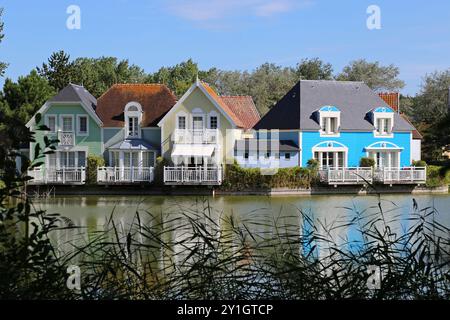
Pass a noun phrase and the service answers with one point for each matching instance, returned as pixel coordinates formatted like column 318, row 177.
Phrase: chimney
column 392, row 99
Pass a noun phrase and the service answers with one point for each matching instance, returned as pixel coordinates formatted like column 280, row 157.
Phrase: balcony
column 352, row 175
column 66, row 139
column 190, row 136
column 359, row 175
column 404, row 175
column 69, row 176
column 193, row 175
column 124, row 175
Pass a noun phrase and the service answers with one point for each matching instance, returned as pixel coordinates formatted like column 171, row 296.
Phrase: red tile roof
column 244, row 109
column 155, row 99
column 240, row 109
column 391, row 98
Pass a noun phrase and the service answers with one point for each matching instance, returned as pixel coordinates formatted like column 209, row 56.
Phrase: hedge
column 436, row 177
column 238, row 178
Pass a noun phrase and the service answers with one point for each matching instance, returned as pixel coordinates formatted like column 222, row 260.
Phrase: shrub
column 437, row 177
column 419, row 163
column 93, row 162
column 238, row 178
column 366, row 162
column 313, row 164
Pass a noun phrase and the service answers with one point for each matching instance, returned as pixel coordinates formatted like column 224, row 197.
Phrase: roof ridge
column 335, row 81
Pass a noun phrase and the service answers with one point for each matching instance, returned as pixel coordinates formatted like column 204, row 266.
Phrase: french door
column 330, row 159
column 385, row 159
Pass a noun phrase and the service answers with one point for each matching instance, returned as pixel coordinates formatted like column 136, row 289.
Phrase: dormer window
column 383, row 120
column 133, row 118
column 330, row 121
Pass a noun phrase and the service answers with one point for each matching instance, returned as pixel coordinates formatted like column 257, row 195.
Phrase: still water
column 93, row 212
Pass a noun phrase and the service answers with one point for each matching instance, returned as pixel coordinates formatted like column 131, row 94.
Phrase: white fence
column 360, row 175
column 192, row 175
column 76, row 175
column 403, row 175
column 352, row 175
column 112, row 175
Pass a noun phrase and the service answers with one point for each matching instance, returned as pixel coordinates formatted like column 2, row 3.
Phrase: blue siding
column 356, row 143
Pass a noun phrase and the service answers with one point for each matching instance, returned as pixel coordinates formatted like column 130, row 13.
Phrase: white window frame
column 184, row 115
column 46, row 121
column 334, row 149
column 197, row 112
column 131, row 114
column 325, row 116
column 79, row 133
column 213, row 114
column 383, row 116
column 61, row 122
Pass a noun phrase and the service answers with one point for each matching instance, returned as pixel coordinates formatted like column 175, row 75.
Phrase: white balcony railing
column 123, row 175
column 351, row 175
column 196, row 136
column 402, row 175
column 75, row 175
column 66, row 138
column 193, row 175
column 360, row 175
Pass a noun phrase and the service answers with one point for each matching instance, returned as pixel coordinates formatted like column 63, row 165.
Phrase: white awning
column 193, row 150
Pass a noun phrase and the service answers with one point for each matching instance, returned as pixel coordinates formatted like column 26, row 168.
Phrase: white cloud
column 206, row 10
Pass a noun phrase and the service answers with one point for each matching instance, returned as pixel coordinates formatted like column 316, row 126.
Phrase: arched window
column 133, row 118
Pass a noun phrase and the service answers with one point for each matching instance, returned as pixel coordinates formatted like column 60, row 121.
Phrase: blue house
column 336, row 123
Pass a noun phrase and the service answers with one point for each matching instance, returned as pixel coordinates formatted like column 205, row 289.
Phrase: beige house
column 199, row 132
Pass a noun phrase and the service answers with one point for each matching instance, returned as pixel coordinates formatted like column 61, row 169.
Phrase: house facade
column 131, row 136
column 198, row 134
column 72, row 119
column 336, row 123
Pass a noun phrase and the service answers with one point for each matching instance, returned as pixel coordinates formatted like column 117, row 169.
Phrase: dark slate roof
column 298, row 108
column 285, row 145
column 75, row 93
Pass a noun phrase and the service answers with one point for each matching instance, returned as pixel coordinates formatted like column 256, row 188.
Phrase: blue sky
column 231, row 34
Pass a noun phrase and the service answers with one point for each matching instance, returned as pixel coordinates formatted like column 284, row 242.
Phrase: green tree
column 98, row 74
column 431, row 104
column 59, row 71
column 3, row 65
column 314, row 69
column 178, row 78
column 27, row 95
column 376, row 76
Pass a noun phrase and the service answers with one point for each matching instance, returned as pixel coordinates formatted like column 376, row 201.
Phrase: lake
column 327, row 212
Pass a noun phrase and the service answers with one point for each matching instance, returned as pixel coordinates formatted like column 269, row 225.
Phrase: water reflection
column 264, row 217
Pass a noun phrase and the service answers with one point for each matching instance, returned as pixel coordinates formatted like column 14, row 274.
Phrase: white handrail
column 125, row 174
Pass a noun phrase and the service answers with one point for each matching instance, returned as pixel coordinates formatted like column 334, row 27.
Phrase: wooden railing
column 403, row 174
column 106, row 175
column 66, row 138
column 195, row 136
column 360, row 175
column 192, row 175
column 76, row 175
column 351, row 175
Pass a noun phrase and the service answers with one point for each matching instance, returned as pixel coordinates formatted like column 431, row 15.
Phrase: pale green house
column 71, row 118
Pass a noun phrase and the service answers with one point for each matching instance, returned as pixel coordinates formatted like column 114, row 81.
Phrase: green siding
column 92, row 141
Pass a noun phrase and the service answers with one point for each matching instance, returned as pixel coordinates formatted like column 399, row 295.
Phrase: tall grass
column 198, row 253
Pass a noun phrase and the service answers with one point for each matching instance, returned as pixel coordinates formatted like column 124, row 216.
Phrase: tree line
column 266, row 84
